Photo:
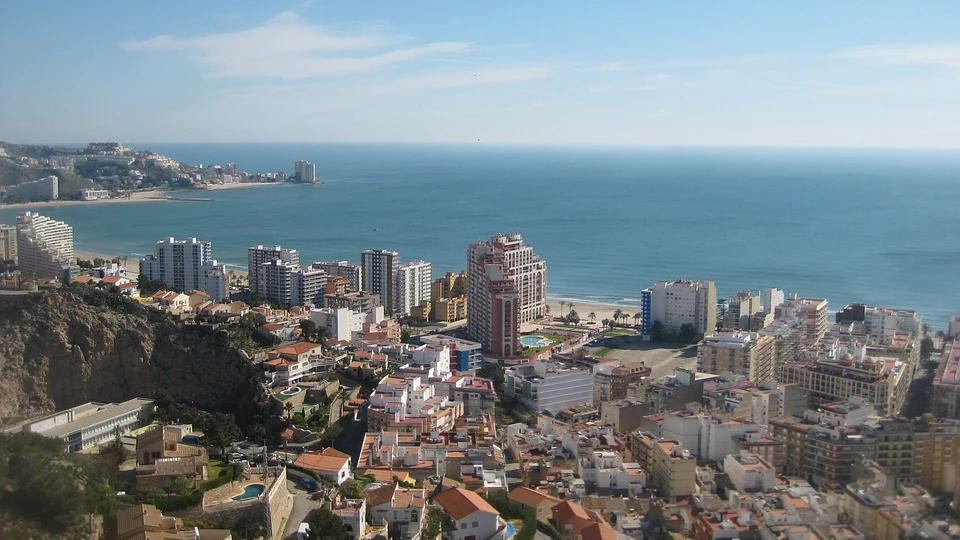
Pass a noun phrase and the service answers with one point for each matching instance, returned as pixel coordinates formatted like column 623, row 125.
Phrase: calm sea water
column 877, row 226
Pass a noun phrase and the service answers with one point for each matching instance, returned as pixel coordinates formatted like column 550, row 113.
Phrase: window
column 463, row 526
column 475, row 524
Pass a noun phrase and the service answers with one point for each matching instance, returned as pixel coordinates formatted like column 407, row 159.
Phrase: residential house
column 540, row 502
column 402, row 508
column 578, row 523
column 353, row 514
column 330, row 463
column 162, row 456
column 473, row 517
column 146, row 522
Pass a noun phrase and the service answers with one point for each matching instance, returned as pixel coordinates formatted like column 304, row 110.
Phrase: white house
column 473, row 517
column 330, row 463
column 397, row 507
column 605, row 471
column 343, row 322
column 749, row 472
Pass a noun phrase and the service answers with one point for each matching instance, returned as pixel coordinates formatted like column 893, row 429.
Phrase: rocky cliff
column 62, row 348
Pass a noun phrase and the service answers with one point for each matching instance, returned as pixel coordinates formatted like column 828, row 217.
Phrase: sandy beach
column 602, row 311
column 153, row 195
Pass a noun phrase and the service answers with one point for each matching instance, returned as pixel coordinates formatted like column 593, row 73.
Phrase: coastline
column 152, row 195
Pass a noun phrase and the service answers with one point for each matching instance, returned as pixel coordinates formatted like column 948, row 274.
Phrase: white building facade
column 343, row 322
column 187, row 265
column 44, row 246
column 550, row 386
column 413, row 285
column 674, row 304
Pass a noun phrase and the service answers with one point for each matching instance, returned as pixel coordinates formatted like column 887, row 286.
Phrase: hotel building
column 44, row 246
column 44, row 189
column 90, row 424
column 678, row 303
column 304, row 171
column 507, row 286
column 812, row 312
column 550, row 386
column 379, row 274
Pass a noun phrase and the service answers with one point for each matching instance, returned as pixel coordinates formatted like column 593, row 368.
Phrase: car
column 307, row 483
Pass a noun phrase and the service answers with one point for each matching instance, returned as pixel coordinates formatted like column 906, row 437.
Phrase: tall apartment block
column 741, row 353
column 379, row 274
column 412, row 285
column 741, row 307
column 8, row 242
column 507, row 286
column 304, row 171
column 44, row 246
column 186, row 265
column 812, row 312
column 946, row 383
column 681, row 302
column 353, row 273
column 259, row 255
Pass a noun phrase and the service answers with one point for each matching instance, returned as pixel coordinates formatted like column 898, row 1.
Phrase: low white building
column 91, row 424
column 403, row 508
column 749, row 472
column 94, row 194
column 550, row 386
column 606, row 471
column 343, row 322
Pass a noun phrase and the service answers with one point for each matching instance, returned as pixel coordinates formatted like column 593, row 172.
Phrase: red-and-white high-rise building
column 506, row 286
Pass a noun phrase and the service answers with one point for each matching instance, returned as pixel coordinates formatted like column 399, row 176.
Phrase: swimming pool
column 534, row 341
column 252, row 491
column 511, row 530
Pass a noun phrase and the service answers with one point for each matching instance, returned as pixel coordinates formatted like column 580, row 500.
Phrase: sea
column 878, row 226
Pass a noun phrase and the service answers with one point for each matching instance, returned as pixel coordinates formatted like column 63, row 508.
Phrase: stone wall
column 279, row 503
column 215, row 496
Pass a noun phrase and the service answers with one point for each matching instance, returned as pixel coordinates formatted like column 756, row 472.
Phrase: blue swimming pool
column 534, row 341
column 250, row 492
column 511, row 530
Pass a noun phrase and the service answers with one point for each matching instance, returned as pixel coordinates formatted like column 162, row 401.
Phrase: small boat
column 376, row 229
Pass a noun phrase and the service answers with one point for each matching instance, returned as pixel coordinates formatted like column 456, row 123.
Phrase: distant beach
column 153, row 195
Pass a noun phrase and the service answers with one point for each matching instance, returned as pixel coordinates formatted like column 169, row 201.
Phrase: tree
column 326, row 526
column 323, row 334
column 688, row 333
column 617, row 315
column 288, row 408
column 252, row 320
column 656, row 331
column 926, row 348
column 495, row 373
column 220, row 429
column 573, row 317
column 636, row 317
column 592, row 316
column 352, row 489
column 308, row 328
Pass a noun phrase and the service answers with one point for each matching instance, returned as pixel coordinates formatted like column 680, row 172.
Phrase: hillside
column 63, row 348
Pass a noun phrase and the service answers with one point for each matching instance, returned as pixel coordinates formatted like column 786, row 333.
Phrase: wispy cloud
column 618, row 65
column 287, row 46
column 715, row 62
column 904, row 54
column 473, row 77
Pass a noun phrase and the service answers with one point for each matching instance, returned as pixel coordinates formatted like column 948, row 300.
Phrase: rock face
column 62, row 348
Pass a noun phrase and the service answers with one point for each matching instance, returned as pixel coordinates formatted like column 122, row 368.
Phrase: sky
column 745, row 73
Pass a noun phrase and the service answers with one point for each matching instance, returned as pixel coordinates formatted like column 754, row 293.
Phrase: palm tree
column 618, row 314
column 592, row 316
column 636, row 318
column 562, row 303
column 288, row 408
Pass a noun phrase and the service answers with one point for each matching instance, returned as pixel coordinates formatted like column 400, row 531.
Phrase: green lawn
column 614, row 332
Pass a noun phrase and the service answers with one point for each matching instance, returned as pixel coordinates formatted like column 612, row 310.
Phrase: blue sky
column 653, row 73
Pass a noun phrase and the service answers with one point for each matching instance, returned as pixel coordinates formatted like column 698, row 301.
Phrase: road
column 302, row 505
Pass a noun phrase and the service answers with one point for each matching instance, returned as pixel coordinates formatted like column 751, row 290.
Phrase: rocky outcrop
column 62, row 348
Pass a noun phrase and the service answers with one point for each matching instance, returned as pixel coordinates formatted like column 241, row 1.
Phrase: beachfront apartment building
column 91, row 424
column 288, row 283
column 8, row 243
column 44, row 189
column 674, row 304
column 304, row 171
column 412, row 285
column 186, row 265
column 259, row 255
column 506, row 287
column 736, row 352
column 550, row 386
column 353, row 273
column 45, row 247
column 379, row 268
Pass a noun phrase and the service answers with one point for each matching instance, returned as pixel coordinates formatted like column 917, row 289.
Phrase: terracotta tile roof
column 317, row 461
column 460, row 503
column 298, row 348
column 530, row 497
column 334, row 453
column 112, row 279
column 380, row 495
